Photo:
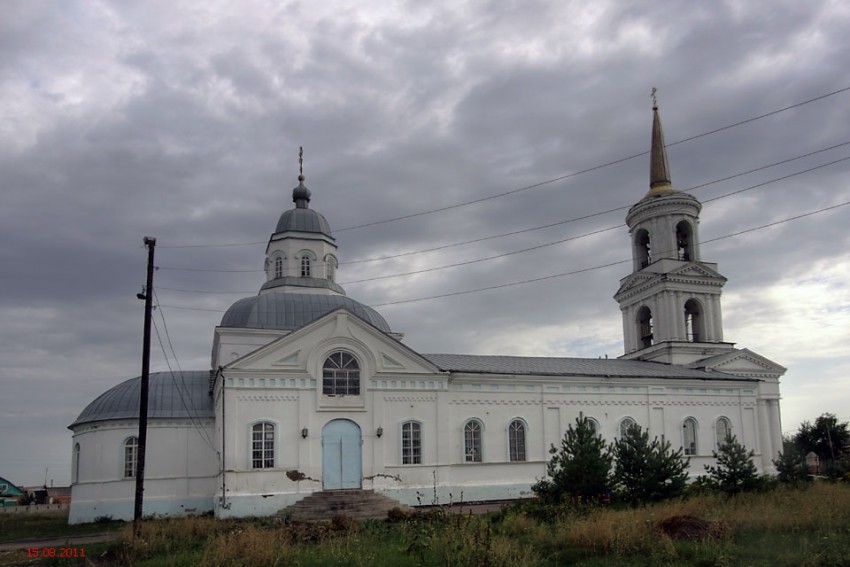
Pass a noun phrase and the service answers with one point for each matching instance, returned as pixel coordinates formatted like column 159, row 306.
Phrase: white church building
column 312, row 391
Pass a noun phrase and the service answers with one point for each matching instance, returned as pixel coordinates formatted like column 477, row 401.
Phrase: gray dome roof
column 164, row 398
column 290, row 311
column 303, row 220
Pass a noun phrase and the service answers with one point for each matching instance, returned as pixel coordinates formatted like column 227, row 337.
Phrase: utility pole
column 150, row 242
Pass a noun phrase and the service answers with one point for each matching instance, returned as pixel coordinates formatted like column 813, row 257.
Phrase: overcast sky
column 182, row 121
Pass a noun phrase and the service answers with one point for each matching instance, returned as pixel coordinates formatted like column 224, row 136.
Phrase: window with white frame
column 306, row 266
column 341, row 375
column 625, row 425
column 131, row 455
column 278, row 266
column 723, row 430
column 472, row 441
column 516, row 440
column 76, row 463
column 262, row 445
column 689, row 436
column 411, row 443
column 594, row 425
column 330, row 268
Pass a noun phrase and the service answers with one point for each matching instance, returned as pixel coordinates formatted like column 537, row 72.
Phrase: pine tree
column 648, row 471
column 581, row 468
column 735, row 471
column 791, row 464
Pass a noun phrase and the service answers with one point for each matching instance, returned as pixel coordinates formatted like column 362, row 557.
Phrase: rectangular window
column 516, row 440
column 262, row 446
column 131, row 448
column 472, row 442
column 411, row 443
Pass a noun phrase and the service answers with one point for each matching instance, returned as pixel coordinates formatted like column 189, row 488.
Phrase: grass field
column 784, row 527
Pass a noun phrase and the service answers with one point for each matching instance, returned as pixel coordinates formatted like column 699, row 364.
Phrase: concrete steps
column 326, row 504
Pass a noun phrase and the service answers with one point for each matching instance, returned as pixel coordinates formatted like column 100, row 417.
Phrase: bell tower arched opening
column 694, row 321
column 685, row 242
column 644, row 327
column 643, row 250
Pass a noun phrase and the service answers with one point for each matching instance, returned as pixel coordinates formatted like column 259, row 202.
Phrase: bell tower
column 671, row 300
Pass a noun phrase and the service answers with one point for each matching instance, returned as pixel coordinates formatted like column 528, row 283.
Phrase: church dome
column 302, row 218
column 169, row 396
column 291, row 311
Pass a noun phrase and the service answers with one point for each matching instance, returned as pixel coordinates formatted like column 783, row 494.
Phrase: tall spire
column 659, row 170
column 301, row 195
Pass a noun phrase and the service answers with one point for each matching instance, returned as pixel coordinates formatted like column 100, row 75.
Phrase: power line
column 546, row 182
column 583, row 270
column 510, row 284
column 561, row 241
column 596, row 167
column 550, row 225
column 202, row 432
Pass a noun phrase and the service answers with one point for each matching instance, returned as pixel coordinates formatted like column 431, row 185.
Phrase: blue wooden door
column 341, row 460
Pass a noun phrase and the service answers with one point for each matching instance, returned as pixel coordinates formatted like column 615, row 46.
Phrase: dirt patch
column 689, row 528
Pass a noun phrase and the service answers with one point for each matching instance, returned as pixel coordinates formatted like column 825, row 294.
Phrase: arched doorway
column 341, row 455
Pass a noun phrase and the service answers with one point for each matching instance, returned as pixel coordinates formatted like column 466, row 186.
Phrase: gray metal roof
column 290, row 311
column 303, row 220
column 164, row 398
column 550, row 366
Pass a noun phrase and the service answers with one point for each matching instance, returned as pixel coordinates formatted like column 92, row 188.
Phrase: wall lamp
column 379, row 432
column 304, row 433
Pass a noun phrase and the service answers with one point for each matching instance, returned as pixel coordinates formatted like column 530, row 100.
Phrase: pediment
column 742, row 362
column 696, row 270
column 633, row 281
column 297, row 351
column 288, row 360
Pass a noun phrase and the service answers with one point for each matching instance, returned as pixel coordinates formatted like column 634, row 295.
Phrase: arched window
column 262, row 445
column 516, row 440
column 723, row 429
column 693, row 321
column 594, row 425
column 278, row 266
column 643, row 251
column 76, row 463
column 341, row 375
column 131, row 454
column 644, row 327
column 684, row 241
column 306, row 266
column 330, row 267
column 689, row 436
column 411, row 443
column 472, row 441
column 625, row 425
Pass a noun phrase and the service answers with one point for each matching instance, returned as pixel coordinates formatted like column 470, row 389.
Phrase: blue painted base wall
column 83, row 512
column 269, row 504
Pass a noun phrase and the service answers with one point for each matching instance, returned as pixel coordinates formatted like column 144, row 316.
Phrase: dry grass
column 823, row 506
column 788, row 526
column 248, row 546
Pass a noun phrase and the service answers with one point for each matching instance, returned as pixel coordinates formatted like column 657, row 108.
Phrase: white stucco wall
column 180, row 470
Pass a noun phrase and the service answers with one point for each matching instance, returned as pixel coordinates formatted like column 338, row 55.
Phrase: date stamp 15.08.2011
column 55, row 552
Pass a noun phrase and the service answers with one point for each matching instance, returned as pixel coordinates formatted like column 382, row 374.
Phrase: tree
column 791, row 464
column 580, row 468
column 735, row 471
column 827, row 438
column 648, row 471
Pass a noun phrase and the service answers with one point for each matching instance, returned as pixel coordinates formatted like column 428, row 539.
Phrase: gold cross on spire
column 654, row 98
